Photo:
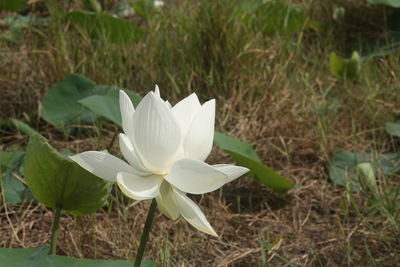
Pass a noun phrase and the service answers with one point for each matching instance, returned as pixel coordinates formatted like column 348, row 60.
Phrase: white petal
column 192, row 213
column 139, row 187
column 185, row 110
column 157, row 136
column 168, row 104
column 157, row 93
column 195, row 177
column 166, row 203
column 232, row 171
column 199, row 139
column 129, row 153
column 127, row 111
column 101, row 164
column 157, row 90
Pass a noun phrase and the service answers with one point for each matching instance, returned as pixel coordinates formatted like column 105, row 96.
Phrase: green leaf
column 391, row 3
column 345, row 68
column 367, row 177
column 342, row 169
column 108, row 105
column 22, row 127
column 13, row 189
column 59, row 182
column 393, row 128
column 244, row 155
column 13, row 5
column 60, row 104
column 10, row 159
column 38, row 257
column 102, row 26
column 228, row 143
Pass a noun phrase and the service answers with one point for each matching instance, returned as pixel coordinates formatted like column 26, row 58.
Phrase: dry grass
column 272, row 105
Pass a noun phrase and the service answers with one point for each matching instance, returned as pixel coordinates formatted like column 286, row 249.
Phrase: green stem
column 145, row 234
column 54, row 231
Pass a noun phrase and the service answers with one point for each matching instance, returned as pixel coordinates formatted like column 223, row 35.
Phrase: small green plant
column 347, row 69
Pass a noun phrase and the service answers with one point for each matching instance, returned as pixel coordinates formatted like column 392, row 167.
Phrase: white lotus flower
column 165, row 147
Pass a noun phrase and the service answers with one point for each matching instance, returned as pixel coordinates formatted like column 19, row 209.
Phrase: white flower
column 165, row 147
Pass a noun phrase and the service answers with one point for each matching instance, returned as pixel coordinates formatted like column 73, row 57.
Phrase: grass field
column 275, row 91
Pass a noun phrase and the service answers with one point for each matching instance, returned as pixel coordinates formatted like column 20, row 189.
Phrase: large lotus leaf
column 102, row 26
column 58, row 182
column 244, row 155
column 108, row 105
column 60, row 105
column 345, row 68
column 343, row 171
column 392, row 3
column 38, row 257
